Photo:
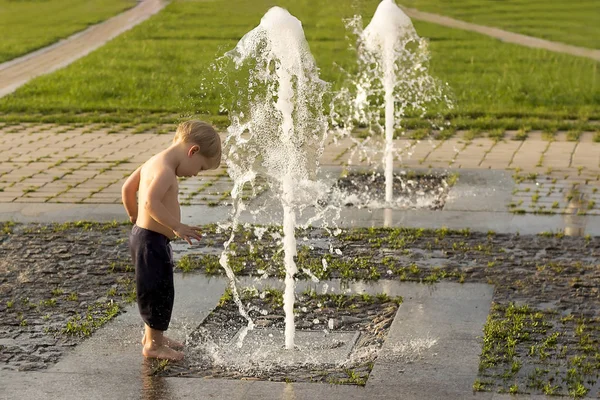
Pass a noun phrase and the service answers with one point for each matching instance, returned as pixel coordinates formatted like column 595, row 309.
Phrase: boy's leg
column 155, row 346
column 153, row 259
column 169, row 298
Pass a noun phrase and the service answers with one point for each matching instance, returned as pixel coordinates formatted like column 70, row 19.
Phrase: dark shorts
column 153, row 259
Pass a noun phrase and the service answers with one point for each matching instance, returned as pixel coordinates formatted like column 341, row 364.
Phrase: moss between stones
column 531, row 351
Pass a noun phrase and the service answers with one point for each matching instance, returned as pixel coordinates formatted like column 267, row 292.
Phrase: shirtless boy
column 156, row 216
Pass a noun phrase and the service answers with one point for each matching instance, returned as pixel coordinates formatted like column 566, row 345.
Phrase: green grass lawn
column 155, row 71
column 27, row 25
column 573, row 22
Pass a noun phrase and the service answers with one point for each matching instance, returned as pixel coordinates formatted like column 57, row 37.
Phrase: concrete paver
column 501, row 155
column 529, row 154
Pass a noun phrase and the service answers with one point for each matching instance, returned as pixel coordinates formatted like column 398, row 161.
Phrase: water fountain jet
column 278, row 128
column 392, row 81
column 386, row 37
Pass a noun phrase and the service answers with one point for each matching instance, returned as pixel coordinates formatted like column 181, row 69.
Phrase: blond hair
column 202, row 134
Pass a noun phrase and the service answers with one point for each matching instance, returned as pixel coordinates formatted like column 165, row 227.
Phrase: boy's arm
column 157, row 210
column 128, row 194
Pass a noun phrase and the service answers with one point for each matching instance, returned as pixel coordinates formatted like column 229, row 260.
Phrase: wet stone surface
column 550, row 270
column 348, row 330
column 216, row 191
column 548, row 194
column 410, row 191
column 556, row 277
column 58, row 284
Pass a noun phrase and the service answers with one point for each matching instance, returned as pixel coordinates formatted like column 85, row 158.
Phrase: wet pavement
column 482, row 221
column 550, row 273
column 479, row 201
column 109, row 364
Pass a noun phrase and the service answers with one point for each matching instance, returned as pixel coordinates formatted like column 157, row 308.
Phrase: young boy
column 157, row 220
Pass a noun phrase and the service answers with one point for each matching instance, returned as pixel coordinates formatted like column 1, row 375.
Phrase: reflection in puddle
column 153, row 387
column 574, row 222
column 288, row 392
column 387, row 217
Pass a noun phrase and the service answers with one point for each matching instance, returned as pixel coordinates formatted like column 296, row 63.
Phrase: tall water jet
column 385, row 38
column 278, row 127
column 392, row 81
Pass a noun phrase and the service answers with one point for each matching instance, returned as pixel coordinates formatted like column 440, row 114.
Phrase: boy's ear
column 193, row 150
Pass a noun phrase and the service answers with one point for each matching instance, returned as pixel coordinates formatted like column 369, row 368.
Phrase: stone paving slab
column 480, row 221
column 449, row 357
column 118, row 386
column 478, row 190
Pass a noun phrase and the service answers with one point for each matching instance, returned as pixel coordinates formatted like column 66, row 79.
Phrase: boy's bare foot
column 174, row 344
column 162, row 353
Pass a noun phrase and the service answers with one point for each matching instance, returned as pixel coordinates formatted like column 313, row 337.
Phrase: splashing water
column 392, row 80
column 278, row 129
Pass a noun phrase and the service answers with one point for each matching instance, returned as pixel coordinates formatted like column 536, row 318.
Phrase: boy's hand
column 188, row 233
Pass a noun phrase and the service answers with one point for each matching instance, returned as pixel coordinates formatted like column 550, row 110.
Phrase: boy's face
column 195, row 162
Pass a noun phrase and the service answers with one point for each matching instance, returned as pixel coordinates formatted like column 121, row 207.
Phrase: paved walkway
column 19, row 71
column 45, row 163
column 503, row 35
